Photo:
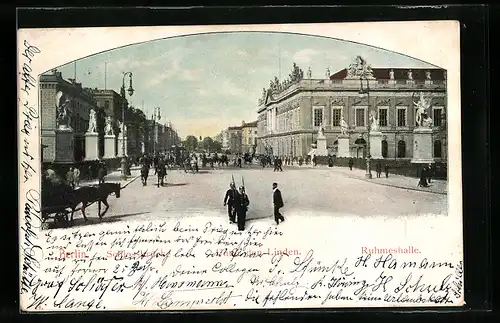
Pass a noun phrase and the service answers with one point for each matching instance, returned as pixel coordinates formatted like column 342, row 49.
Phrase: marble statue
column 92, row 122
column 122, row 127
column 374, row 121
column 391, row 74
column 309, row 73
column 343, row 126
column 422, row 106
column 63, row 111
column 427, row 122
column 108, row 130
column 428, row 75
column 327, row 74
column 410, row 75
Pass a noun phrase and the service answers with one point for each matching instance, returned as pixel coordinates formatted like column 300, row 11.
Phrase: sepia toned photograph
column 237, row 169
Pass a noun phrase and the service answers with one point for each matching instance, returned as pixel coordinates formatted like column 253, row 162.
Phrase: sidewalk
column 399, row 181
column 115, row 176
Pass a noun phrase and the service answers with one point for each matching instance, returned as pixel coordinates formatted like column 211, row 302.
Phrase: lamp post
column 362, row 93
column 124, row 162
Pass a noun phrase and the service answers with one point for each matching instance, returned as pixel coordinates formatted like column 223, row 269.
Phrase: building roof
column 234, row 128
column 252, row 124
column 418, row 74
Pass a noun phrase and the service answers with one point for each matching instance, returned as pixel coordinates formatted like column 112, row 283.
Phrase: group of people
column 425, row 176
column 237, row 203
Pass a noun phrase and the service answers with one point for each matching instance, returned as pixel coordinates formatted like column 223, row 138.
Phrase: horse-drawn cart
column 61, row 201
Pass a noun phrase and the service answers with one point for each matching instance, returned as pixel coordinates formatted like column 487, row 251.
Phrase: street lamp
column 362, row 93
column 124, row 162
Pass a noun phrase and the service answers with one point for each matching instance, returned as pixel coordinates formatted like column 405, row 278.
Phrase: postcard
column 240, row 167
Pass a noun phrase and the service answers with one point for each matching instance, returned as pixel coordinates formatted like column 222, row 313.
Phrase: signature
column 28, row 81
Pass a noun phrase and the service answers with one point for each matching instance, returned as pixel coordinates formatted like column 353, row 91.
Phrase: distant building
column 291, row 113
column 225, row 140
column 160, row 138
column 112, row 104
column 234, row 139
column 81, row 102
column 248, row 137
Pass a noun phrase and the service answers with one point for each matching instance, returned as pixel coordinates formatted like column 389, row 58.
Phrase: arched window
column 384, row 148
column 437, row 149
column 401, row 149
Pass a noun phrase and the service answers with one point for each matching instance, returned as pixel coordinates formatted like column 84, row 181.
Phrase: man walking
column 278, row 204
column 76, row 176
column 350, row 163
column 386, row 168
column 379, row 169
column 242, row 208
column 70, row 177
column 102, row 172
column 229, row 200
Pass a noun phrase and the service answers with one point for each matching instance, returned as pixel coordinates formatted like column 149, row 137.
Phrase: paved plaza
column 322, row 190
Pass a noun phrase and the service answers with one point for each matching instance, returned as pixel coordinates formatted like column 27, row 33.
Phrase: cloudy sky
column 205, row 83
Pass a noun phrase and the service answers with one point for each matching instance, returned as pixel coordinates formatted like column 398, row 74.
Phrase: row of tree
column 192, row 143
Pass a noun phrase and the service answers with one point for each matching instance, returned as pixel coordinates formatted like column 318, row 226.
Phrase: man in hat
column 229, row 200
column 241, row 207
column 278, row 204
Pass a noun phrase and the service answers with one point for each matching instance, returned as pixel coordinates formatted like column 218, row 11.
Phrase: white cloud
column 304, row 56
column 242, row 53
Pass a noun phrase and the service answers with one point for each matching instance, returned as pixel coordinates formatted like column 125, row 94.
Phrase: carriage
column 59, row 202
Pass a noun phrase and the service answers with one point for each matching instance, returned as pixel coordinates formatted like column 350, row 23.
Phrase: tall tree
column 206, row 143
column 191, row 143
column 216, row 146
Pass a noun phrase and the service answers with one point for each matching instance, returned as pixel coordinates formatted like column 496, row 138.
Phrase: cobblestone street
column 334, row 191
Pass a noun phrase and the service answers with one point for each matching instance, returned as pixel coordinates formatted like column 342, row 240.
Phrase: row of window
column 383, row 116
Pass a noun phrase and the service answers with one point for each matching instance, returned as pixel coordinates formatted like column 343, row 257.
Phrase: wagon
column 56, row 204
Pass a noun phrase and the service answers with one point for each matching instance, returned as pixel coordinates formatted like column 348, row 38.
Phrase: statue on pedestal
column 428, row 75
column 309, row 73
column 63, row 111
column 391, row 74
column 344, row 128
column 373, row 122
column 123, row 128
column 422, row 106
column 108, row 130
column 410, row 75
column 92, row 122
column 327, row 73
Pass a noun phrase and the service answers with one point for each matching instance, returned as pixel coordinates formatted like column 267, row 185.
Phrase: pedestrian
column 101, row 173
column 386, row 168
column 314, row 160
column 278, row 204
column 429, row 173
column 229, row 199
column 76, row 174
column 378, row 169
column 280, row 163
column 242, row 208
column 275, row 164
column 350, row 163
column 423, row 178
column 70, row 178
column 90, row 173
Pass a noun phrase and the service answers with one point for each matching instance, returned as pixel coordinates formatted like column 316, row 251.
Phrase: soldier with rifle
column 229, row 199
column 242, row 203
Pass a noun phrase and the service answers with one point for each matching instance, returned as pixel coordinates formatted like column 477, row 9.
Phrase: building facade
column 234, row 135
column 291, row 113
column 160, row 138
column 81, row 101
column 248, row 137
column 112, row 104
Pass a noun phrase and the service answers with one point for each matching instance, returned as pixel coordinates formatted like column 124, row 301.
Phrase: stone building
column 111, row 103
column 80, row 102
column 248, row 137
column 234, row 135
column 160, row 138
column 290, row 113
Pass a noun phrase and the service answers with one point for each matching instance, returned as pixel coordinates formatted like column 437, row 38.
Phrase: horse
column 144, row 174
column 161, row 171
column 95, row 193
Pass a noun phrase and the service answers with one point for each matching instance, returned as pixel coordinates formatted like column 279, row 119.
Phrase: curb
column 399, row 186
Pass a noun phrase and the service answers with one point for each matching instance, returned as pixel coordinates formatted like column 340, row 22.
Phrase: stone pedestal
column 120, row 143
column 321, row 149
column 64, row 152
column 109, row 146
column 91, row 146
column 343, row 149
column 376, row 145
column 422, row 146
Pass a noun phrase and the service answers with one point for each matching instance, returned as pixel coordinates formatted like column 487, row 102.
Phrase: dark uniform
column 229, row 200
column 241, row 205
column 278, row 204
